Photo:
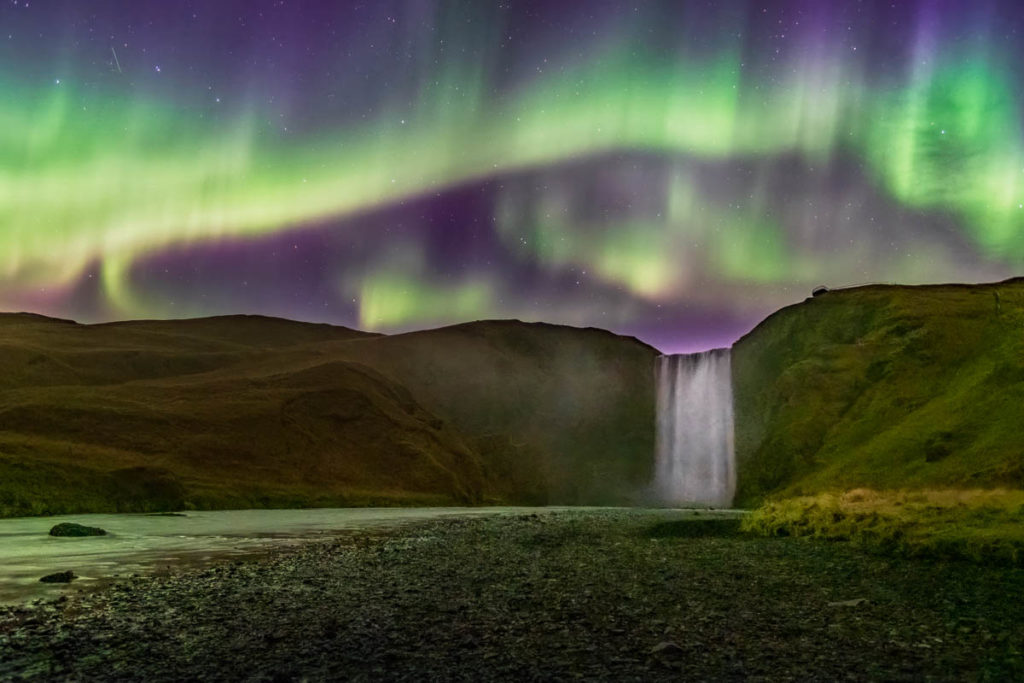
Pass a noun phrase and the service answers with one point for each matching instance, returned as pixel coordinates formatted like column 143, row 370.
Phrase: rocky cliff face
column 246, row 411
column 884, row 387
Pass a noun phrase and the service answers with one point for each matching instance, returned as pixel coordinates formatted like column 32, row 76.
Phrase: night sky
column 672, row 170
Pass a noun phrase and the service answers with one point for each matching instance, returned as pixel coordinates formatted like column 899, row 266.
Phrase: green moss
column 981, row 526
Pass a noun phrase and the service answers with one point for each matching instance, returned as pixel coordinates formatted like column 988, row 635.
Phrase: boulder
column 72, row 529
column 59, row 577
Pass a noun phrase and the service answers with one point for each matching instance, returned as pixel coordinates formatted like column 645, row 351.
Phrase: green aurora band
column 87, row 178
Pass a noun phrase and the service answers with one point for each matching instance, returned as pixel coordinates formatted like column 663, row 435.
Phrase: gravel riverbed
column 598, row 595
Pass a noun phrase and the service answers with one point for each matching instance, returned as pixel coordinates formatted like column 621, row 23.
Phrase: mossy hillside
column 885, row 387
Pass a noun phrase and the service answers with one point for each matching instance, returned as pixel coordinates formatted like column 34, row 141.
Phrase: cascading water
column 695, row 458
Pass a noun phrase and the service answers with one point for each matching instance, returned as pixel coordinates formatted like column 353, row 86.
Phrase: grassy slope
column 890, row 417
column 248, row 411
column 883, row 387
column 155, row 415
column 979, row 525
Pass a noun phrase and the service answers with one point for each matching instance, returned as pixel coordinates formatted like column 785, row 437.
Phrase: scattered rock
column 856, row 602
column 604, row 605
column 667, row 647
column 695, row 528
column 72, row 529
column 59, row 577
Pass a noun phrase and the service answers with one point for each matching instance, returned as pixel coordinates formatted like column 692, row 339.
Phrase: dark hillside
column 249, row 411
column 559, row 414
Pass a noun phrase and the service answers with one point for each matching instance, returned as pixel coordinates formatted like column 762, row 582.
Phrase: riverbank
column 983, row 526
column 144, row 543
column 606, row 595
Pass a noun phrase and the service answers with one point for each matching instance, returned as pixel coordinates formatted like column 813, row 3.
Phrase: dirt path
column 598, row 596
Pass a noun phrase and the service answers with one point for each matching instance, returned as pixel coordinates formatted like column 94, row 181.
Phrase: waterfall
column 695, row 459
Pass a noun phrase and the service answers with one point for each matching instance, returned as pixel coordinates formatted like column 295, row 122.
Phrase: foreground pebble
column 591, row 595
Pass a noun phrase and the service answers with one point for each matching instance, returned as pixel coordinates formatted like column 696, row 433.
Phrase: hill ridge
column 253, row 411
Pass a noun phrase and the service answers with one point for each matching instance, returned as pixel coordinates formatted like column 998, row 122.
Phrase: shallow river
column 141, row 543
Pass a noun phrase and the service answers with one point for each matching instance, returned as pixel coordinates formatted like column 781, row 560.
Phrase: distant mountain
column 242, row 411
column 885, row 387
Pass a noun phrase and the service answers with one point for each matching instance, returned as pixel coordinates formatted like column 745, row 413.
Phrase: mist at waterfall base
column 694, row 447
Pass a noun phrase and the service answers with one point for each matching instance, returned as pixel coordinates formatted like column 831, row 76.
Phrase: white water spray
column 695, row 457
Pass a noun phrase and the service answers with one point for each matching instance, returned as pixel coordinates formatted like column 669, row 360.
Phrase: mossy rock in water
column 72, row 529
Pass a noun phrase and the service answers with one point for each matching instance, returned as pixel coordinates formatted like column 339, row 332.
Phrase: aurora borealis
column 673, row 170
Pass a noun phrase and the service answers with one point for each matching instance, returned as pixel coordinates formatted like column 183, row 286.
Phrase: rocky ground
column 579, row 595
